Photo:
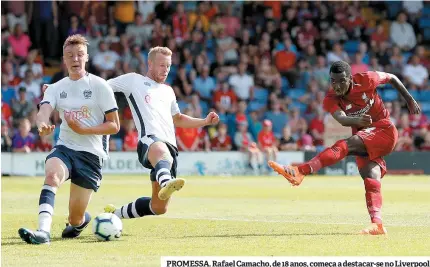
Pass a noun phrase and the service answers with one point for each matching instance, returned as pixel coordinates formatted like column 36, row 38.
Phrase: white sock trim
column 133, row 210
column 46, row 208
column 163, row 170
column 50, row 188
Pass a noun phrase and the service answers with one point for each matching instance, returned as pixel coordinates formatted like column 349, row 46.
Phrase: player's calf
column 139, row 208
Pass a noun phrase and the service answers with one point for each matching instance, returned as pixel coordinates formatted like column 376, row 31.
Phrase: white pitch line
column 286, row 221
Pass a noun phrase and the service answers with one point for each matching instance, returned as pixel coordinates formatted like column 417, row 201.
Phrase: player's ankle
column 305, row 169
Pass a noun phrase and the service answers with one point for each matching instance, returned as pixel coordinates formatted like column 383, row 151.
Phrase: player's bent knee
column 159, row 209
column 159, row 151
column 53, row 178
column 356, row 146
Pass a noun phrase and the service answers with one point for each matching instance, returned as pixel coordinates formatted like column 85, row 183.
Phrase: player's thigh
column 158, row 151
column 356, row 146
column 57, row 167
column 158, row 206
column 375, row 169
column 378, row 141
column 78, row 202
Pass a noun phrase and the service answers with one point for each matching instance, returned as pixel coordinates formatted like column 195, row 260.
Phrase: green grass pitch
column 235, row 216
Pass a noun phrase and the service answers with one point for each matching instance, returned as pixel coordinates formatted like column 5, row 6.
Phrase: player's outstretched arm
column 42, row 119
column 110, row 126
column 413, row 106
column 185, row 121
column 344, row 120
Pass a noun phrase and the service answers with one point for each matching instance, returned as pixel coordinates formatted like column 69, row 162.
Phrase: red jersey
column 407, row 132
column 362, row 98
column 131, row 139
column 266, row 139
column 221, row 143
column 44, row 147
column 227, row 99
column 187, row 136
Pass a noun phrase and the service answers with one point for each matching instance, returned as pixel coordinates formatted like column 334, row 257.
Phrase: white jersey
column 88, row 100
column 152, row 105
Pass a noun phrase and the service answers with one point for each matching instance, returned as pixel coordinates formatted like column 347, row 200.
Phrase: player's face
column 160, row 67
column 75, row 57
column 340, row 83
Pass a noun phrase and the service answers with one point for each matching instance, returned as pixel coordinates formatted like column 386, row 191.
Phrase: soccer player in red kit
column 354, row 102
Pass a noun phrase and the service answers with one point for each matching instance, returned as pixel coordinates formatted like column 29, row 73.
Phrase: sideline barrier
column 190, row 163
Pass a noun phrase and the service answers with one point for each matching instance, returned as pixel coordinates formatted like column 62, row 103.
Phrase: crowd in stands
column 262, row 66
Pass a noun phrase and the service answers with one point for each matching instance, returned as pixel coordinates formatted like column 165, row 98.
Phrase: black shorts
column 142, row 153
column 85, row 169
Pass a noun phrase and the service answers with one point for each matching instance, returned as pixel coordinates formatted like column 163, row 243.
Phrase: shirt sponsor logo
column 83, row 113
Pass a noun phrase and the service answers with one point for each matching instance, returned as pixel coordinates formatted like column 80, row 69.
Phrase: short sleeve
column 377, row 78
column 123, row 83
column 106, row 97
column 330, row 104
column 49, row 95
column 174, row 108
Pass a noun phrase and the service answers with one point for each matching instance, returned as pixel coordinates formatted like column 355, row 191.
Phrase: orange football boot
column 291, row 173
column 374, row 229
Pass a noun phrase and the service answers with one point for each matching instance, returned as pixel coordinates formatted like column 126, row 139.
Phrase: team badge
column 63, row 95
column 88, row 94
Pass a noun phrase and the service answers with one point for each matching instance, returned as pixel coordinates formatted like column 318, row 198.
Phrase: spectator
column 23, row 140
column 305, row 143
column 180, row 23
column 316, row 128
column 358, row 66
column 199, row 16
column 146, row 11
column 6, row 113
column 44, row 144
column 35, row 67
column 278, row 117
column 131, row 137
column 337, row 54
column 6, row 141
column 204, row 85
column 374, row 65
column 405, row 141
column 228, row 46
column 138, row 32
column 187, row 138
column 268, row 74
column 222, row 141
column 182, row 85
column 7, row 69
column 402, row 33
column 16, row 14
column 123, row 14
column 134, row 61
column 321, row 72
column 379, row 35
column 112, row 38
column 113, row 144
column 245, row 143
column 307, row 35
column 20, row 43
column 230, row 22
column 287, row 143
column 285, row 60
column 21, row 107
column 267, row 141
column 415, row 73
column 75, row 27
column 225, row 99
column 242, row 83
column 396, row 61
column 32, row 87
column 8, row 93
column 423, row 56
column 105, row 61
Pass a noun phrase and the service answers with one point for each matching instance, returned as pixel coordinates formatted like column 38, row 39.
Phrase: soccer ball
column 107, row 227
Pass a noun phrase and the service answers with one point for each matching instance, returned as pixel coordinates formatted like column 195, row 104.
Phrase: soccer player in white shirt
column 89, row 114
column 155, row 113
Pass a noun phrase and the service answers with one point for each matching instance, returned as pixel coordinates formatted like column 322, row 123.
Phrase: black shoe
column 34, row 237
column 72, row 232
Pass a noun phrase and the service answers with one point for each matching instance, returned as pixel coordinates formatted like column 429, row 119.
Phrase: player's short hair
column 340, row 66
column 159, row 49
column 75, row 39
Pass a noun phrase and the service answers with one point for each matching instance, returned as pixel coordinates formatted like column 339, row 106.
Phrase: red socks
column 373, row 199
column 328, row 157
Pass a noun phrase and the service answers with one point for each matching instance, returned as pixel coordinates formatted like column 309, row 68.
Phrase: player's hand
column 413, row 106
column 74, row 124
column 212, row 118
column 45, row 129
column 364, row 121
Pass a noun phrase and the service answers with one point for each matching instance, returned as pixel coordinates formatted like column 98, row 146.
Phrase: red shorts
column 380, row 141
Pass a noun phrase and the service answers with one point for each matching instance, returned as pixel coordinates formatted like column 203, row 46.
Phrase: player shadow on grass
column 274, row 235
column 12, row 241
